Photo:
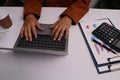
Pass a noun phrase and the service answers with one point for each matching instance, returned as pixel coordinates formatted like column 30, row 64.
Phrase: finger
column 54, row 30
column 67, row 33
column 21, row 32
column 39, row 27
column 34, row 31
column 61, row 34
column 52, row 26
column 26, row 34
column 57, row 32
column 29, row 33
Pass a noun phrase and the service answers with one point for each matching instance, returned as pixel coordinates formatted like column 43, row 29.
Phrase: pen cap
column 5, row 20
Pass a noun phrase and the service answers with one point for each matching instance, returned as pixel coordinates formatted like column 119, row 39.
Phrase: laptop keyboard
column 44, row 42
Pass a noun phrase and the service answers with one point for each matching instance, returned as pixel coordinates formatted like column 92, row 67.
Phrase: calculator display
column 118, row 44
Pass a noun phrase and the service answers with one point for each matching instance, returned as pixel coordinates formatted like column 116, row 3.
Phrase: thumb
column 39, row 26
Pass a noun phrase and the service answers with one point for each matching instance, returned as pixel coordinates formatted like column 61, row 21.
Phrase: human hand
column 29, row 27
column 60, row 27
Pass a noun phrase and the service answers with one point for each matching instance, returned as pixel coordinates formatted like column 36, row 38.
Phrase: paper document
column 100, row 54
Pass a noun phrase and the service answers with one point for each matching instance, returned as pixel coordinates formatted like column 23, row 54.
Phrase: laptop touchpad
column 46, row 31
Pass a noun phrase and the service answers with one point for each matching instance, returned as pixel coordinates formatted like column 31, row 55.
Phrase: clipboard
column 105, row 61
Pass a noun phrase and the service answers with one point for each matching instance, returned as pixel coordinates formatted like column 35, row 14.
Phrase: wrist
column 68, row 18
column 29, row 16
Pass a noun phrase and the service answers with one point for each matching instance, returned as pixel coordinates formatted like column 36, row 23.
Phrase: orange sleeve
column 32, row 7
column 77, row 10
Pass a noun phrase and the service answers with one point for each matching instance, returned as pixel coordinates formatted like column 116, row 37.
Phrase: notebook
column 44, row 43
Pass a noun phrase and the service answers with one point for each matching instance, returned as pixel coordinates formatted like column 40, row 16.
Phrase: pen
column 109, row 49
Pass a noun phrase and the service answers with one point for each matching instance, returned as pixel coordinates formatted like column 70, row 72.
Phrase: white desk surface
column 78, row 65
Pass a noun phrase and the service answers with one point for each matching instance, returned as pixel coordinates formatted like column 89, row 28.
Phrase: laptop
column 44, row 43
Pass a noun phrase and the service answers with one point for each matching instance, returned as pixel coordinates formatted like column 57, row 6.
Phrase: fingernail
column 54, row 39
column 59, row 40
column 50, row 27
column 66, row 37
column 26, row 39
column 30, row 39
column 35, row 36
column 42, row 28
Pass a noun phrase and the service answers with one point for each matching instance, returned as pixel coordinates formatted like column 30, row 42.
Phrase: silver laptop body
column 46, row 31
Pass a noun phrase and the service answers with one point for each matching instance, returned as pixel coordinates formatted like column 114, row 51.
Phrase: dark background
column 11, row 3
column 108, row 4
column 103, row 4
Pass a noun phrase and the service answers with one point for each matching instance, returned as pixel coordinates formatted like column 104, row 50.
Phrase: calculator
column 109, row 35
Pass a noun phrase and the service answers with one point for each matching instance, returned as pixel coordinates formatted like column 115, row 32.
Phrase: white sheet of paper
column 101, row 54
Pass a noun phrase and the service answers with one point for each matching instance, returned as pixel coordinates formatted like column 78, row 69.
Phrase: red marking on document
column 97, row 49
column 88, row 26
column 101, row 47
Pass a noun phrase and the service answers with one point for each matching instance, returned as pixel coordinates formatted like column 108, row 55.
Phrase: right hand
column 29, row 27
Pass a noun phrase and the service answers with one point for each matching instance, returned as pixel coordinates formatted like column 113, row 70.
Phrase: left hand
column 61, row 27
